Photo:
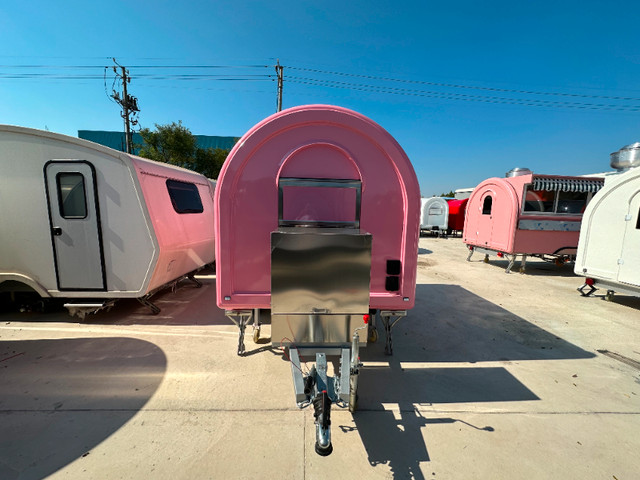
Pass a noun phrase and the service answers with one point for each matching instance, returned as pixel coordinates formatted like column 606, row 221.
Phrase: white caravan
column 434, row 215
column 609, row 246
column 84, row 222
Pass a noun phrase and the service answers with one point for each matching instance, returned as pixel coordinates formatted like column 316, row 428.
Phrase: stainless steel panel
column 320, row 271
column 316, row 329
column 550, row 225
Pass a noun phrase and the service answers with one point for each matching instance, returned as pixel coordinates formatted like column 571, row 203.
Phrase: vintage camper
column 86, row 223
column 434, row 215
column 526, row 214
column 317, row 214
column 457, row 211
column 609, row 248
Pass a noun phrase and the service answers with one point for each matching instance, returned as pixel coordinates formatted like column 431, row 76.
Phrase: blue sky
column 459, row 73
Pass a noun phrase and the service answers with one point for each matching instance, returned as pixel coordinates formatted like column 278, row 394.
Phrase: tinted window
column 486, row 206
column 71, row 195
column 185, row 197
column 539, row 200
column 572, row 202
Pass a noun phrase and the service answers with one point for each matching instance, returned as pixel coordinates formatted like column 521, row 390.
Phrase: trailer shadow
column 534, row 267
column 61, row 398
column 187, row 305
column 629, row 301
column 459, row 327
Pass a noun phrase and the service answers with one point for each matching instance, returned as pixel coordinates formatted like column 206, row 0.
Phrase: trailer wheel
column 353, row 406
column 373, row 335
column 486, row 259
column 609, row 295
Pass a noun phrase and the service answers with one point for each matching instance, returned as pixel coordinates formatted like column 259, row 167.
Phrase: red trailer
column 457, row 210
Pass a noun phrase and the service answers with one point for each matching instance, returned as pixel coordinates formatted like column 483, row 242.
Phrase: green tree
column 209, row 161
column 450, row 194
column 174, row 143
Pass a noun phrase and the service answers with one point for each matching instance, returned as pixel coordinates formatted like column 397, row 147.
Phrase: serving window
column 319, row 202
column 557, row 196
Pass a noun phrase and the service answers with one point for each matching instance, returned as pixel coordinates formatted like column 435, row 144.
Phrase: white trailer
column 83, row 222
column 609, row 246
column 434, row 215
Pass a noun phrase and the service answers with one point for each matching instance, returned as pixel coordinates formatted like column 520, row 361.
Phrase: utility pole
column 128, row 103
column 280, row 73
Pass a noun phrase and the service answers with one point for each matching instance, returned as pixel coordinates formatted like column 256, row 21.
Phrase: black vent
column 394, row 267
column 392, row 284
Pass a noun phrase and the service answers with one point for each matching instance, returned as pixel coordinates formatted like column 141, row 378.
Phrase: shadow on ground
column 618, row 298
column 186, row 305
column 61, row 398
column 460, row 327
column 533, row 267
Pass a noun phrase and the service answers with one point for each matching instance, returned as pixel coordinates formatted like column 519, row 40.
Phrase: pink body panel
column 499, row 230
column 322, row 142
column 186, row 241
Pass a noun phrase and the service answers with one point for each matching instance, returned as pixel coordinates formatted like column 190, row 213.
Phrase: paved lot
column 493, row 376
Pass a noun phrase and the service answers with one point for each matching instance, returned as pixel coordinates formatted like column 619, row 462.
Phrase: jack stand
column 389, row 319
column 523, row 263
column 372, row 332
column 256, row 325
column 587, row 294
column 322, row 408
column 512, row 260
column 194, row 280
column 147, row 303
column 241, row 318
column 470, row 253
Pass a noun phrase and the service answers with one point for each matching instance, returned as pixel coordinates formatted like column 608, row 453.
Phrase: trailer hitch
column 322, row 414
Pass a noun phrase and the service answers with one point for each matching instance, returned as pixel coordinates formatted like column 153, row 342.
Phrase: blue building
column 116, row 140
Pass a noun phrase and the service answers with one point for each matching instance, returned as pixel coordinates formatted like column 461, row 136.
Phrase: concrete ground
column 493, row 376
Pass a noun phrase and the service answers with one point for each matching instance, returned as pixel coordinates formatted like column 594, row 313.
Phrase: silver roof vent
column 626, row 157
column 516, row 172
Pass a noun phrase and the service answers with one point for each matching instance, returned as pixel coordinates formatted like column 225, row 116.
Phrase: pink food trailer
column 317, row 216
column 525, row 214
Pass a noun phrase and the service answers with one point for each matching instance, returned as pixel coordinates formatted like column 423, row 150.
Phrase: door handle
column 57, row 231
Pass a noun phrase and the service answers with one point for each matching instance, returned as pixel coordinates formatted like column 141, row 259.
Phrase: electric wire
column 459, row 96
column 454, row 85
column 320, row 78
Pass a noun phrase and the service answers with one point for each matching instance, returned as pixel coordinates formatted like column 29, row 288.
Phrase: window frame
column 61, row 201
column 556, row 199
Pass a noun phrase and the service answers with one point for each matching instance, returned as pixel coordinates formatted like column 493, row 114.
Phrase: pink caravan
column 528, row 215
column 317, row 216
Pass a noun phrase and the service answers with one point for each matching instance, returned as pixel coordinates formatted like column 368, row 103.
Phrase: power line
column 138, row 66
column 458, row 96
column 454, row 85
column 25, row 76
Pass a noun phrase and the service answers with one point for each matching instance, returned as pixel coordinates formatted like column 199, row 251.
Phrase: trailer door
column 75, row 225
column 484, row 232
column 629, row 261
